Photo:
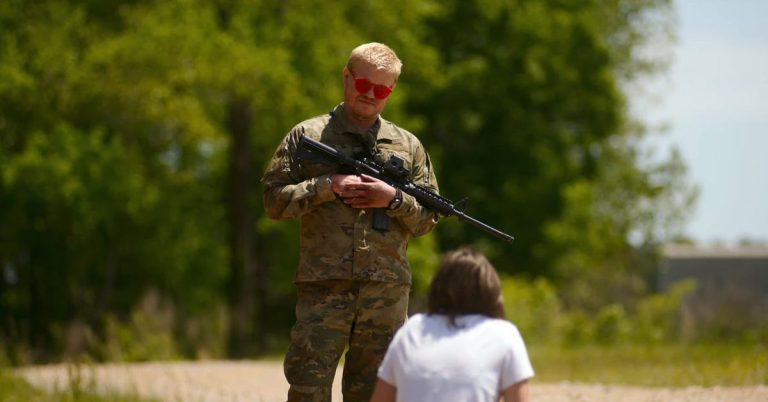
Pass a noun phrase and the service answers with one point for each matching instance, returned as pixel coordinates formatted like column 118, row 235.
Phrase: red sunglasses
column 362, row 85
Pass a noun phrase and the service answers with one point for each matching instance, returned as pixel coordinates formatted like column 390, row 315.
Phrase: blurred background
column 133, row 136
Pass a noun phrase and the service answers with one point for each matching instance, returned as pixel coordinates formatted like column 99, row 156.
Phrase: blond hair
column 377, row 54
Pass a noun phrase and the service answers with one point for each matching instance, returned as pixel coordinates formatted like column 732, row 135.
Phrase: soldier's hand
column 344, row 182
column 363, row 191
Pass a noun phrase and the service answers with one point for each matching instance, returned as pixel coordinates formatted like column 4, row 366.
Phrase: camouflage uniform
column 352, row 280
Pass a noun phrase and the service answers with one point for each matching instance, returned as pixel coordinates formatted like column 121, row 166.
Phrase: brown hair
column 466, row 283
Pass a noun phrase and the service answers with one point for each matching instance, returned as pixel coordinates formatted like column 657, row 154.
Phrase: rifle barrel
column 480, row 225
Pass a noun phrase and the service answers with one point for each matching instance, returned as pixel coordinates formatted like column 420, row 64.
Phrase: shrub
column 658, row 317
column 536, row 309
column 576, row 328
column 612, row 325
column 533, row 306
column 147, row 336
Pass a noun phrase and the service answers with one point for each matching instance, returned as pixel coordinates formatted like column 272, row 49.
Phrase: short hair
column 466, row 283
column 377, row 54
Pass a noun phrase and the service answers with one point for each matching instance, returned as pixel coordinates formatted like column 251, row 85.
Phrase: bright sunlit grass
column 657, row 366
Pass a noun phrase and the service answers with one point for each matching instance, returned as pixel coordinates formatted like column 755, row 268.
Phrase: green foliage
column 611, row 325
column 606, row 239
column 89, row 239
column 152, row 331
column 703, row 365
column 535, row 84
column 121, row 168
column 577, row 328
column 16, row 389
column 423, row 257
column 147, row 336
column 534, row 307
column 658, row 315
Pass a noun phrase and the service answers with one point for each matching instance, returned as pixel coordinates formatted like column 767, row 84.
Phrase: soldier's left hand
column 368, row 193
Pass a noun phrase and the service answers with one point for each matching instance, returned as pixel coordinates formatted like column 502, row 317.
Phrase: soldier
column 353, row 279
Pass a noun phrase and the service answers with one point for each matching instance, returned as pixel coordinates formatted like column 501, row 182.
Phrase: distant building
column 732, row 286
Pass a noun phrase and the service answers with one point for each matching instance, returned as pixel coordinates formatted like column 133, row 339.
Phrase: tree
column 213, row 90
column 530, row 102
column 109, row 199
column 608, row 239
column 133, row 135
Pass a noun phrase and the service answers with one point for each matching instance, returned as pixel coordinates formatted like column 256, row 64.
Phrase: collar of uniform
column 385, row 131
column 341, row 124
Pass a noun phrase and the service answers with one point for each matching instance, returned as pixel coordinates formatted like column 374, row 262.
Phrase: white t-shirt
column 429, row 360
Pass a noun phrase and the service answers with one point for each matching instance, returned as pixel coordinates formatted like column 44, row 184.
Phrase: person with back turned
column 353, row 277
column 463, row 349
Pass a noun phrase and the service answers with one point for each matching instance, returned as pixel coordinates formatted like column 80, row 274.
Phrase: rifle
column 393, row 173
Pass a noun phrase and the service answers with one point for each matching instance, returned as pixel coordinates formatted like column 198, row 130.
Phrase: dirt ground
column 226, row 381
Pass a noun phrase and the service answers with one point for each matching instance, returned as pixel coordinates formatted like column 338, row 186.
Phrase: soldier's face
column 367, row 105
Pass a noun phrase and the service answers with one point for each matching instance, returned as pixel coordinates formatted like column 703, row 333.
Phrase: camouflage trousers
column 331, row 316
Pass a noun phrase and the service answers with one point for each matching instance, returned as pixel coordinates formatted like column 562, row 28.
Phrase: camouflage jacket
column 337, row 241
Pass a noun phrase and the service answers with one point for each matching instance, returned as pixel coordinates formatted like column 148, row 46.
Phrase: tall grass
column 655, row 366
column 16, row 389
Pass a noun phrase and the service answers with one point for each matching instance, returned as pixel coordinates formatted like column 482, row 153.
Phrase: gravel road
column 257, row 381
